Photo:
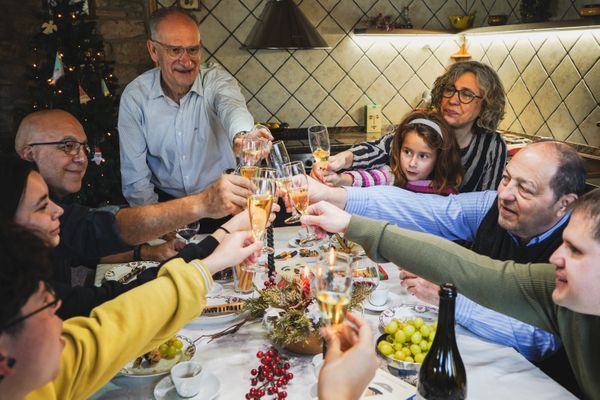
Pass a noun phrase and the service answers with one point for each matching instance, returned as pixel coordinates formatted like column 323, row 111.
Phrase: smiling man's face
column 177, row 73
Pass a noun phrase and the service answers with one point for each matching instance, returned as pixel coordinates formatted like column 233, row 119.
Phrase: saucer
column 165, row 389
column 372, row 307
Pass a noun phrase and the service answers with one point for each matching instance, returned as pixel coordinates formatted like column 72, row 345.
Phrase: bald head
column 570, row 171
column 63, row 171
column 46, row 125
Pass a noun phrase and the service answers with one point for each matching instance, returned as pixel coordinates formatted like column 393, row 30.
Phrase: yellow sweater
column 97, row 347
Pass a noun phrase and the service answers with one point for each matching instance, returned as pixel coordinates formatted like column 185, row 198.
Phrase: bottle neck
column 446, row 315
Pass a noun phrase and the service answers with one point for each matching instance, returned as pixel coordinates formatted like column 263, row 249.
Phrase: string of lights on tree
column 70, row 72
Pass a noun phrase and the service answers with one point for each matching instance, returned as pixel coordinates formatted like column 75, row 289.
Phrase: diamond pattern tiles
column 552, row 81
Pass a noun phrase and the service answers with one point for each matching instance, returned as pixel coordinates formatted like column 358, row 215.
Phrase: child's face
column 417, row 159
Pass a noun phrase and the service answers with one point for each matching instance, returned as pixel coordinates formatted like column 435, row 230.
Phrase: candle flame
column 332, row 256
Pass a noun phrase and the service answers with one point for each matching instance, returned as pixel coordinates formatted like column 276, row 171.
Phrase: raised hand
column 326, row 217
column 234, row 248
column 419, row 287
column 227, row 195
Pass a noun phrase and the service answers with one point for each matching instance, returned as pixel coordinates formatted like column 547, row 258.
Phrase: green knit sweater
column 521, row 291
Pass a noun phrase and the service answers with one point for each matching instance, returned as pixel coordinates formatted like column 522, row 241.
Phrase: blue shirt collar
column 539, row 238
column 157, row 90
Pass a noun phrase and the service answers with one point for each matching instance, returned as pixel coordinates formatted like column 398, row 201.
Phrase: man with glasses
column 179, row 123
column 471, row 99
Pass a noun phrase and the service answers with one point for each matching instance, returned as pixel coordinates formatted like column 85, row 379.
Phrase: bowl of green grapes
column 407, row 337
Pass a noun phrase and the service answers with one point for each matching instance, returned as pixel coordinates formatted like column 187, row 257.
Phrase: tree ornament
column 59, row 70
column 97, row 158
column 105, row 90
column 83, row 96
column 49, row 27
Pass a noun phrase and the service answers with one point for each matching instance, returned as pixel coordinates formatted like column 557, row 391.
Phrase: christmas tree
column 70, row 72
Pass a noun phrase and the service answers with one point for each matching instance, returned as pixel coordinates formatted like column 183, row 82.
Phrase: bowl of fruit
column 408, row 334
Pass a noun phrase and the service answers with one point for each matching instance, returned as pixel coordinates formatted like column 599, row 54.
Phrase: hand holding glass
column 259, row 210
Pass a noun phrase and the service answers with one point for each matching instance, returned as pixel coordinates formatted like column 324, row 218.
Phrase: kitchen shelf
column 577, row 24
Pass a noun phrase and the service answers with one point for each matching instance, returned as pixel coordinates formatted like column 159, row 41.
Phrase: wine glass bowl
column 187, row 232
column 260, row 203
column 318, row 139
column 333, row 288
column 365, row 272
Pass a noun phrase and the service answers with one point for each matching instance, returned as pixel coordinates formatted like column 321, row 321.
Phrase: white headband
column 429, row 123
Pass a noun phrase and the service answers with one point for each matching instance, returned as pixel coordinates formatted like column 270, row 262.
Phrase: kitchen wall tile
column 382, row 91
column 518, row 96
column 272, row 95
column 310, row 94
column 551, row 53
column 253, row 75
column 381, row 54
column 364, row 73
column 530, row 118
column 329, row 112
column 522, row 53
column 329, row 74
column 580, row 102
column 585, row 53
column 547, row 99
column 309, row 59
column 508, row 74
column 228, row 55
column 534, row 75
column 272, row 60
column 347, row 121
column 589, row 128
column 560, row 123
column 294, row 111
column 592, row 79
column 396, row 109
column 291, row 75
column 397, row 71
column 544, row 132
column 576, row 137
column 346, row 93
column 565, row 77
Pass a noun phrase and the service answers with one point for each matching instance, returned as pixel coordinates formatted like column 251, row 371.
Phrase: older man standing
column 179, row 123
column 525, row 226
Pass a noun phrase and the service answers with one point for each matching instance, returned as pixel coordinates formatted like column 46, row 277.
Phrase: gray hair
column 494, row 99
column 163, row 13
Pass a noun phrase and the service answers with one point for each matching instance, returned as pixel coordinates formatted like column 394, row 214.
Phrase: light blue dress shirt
column 456, row 217
column 178, row 148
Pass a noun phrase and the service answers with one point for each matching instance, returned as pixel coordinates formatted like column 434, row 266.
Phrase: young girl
column 424, row 158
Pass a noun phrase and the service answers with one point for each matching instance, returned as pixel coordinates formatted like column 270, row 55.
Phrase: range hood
column 283, row 26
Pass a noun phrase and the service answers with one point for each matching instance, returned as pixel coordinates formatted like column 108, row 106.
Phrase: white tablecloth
column 493, row 371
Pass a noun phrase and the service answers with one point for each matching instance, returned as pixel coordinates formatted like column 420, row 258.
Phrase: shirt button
column 179, row 133
column 183, row 157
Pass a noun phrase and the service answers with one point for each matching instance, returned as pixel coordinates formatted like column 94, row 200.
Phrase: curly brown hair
column 448, row 169
column 494, row 98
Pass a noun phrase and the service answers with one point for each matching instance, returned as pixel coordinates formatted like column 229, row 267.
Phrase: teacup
column 187, row 376
column 379, row 297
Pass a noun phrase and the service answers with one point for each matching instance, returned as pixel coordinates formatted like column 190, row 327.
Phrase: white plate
column 165, row 389
column 163, row 366
column 120, row 270
column 409, row 311
column 372, row 307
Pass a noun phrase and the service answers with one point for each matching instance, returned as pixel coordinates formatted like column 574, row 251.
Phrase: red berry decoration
column 271, row 375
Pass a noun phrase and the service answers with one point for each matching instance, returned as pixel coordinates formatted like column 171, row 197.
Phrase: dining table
column 493, row 371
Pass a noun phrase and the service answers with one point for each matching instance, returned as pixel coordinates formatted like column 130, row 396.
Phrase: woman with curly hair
column 471, row 98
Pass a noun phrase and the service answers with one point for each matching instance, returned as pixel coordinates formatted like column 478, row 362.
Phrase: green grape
column 399, row 355
column 424, row 345
column 409, row 359
column 385, row 348
column 397, row 346
column 171, row 352
column 177, row 344
column 425, row 330
column 415, row 349
column 163, row 349
column 418, row 322
column 429, row 345
column 419, row 357
column 391, row 327
column 409, row 330
column 416, row 338
column 406, row 351
column 400, row 337
column 389, row 338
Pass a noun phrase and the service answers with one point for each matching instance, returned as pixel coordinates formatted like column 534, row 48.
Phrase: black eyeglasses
column 54, row 303
column 464, row 96
column 177, row 51
column 70, row 147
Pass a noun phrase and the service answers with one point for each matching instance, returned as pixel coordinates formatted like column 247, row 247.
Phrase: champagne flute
column 259, row 209
column 334, row 284
column 250, row 155
column 298, row 193
column 187, row 232
column 318, row 139
column 365, row 272
column 269, row 173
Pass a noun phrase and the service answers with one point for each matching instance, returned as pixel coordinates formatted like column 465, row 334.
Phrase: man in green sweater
column 562, row 297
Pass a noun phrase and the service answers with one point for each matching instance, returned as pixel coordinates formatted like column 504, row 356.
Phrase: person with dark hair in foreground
column 43, row 358
column 562, row 297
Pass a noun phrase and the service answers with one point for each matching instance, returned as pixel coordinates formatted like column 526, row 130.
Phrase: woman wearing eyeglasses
column 471, row 98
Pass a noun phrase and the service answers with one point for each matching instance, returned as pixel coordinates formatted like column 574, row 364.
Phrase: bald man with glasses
column 180, row 124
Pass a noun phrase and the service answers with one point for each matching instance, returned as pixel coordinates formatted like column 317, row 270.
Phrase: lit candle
column 332, row 256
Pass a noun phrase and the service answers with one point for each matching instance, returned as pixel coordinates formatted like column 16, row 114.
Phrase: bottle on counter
column 442, row 374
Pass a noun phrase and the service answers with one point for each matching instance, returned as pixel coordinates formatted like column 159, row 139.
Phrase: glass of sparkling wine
column 187, row 232
column 250, row 156
column 259, row 209
column 297, row 190
column 334, row 285
column 318, row 139
column 364, row 272
column 269, row 173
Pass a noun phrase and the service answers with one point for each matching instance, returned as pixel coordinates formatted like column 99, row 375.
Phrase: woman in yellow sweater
column 43, row 358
